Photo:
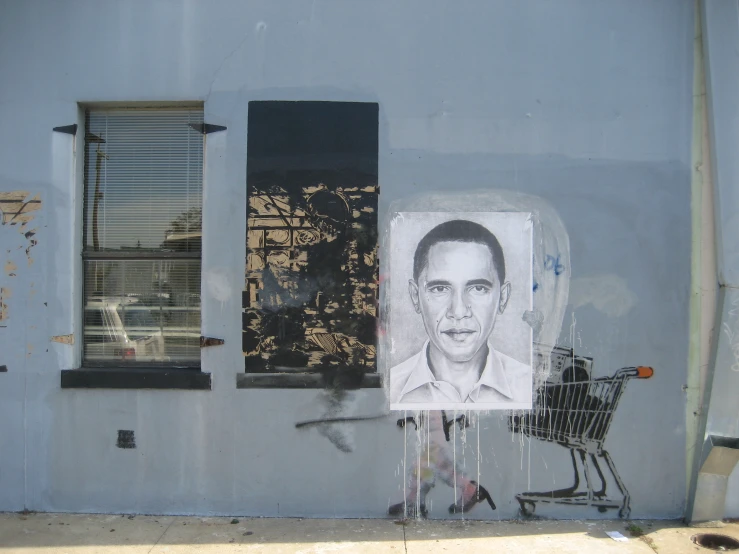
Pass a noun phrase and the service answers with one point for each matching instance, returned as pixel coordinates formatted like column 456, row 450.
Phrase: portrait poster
column 457, row 288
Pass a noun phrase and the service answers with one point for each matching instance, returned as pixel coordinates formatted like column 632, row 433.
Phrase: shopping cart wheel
column 527, row 508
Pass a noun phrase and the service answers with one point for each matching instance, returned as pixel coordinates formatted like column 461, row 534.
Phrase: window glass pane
column 144, row 180
column 142, row 311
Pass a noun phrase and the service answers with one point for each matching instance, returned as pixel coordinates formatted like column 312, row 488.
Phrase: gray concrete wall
column 587, row 105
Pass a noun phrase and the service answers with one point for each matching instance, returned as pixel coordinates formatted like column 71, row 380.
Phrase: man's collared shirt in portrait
column 505, row 383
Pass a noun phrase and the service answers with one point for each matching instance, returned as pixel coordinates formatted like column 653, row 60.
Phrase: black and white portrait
column 458, row 287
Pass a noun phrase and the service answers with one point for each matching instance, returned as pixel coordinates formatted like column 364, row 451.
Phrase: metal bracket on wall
column 207, row 128
column 69, row 129
column 210, row 341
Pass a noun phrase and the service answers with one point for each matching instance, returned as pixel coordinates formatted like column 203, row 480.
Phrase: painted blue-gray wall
column 586, row 104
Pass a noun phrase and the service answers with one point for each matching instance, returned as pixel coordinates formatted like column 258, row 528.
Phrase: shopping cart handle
column 639, row 372
column 644, row 372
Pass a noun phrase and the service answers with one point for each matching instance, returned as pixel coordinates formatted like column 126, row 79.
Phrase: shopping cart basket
column 577, row 415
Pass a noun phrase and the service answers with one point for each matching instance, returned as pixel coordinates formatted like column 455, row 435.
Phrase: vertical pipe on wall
column 704, row 268
column 692, row 391
column 709, row 273
column 704, row 278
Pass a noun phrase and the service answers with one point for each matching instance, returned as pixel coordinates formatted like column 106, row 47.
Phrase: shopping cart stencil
column 575, row 411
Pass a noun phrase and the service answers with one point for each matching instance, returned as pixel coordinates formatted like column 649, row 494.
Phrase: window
column 142, row 236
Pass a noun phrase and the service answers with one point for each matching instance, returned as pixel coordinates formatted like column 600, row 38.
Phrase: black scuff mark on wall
column 126, row 439
column 32, row 243
column 3, row 369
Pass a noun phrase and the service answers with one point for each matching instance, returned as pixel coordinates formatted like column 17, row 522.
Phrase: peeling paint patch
column 63, row 339
column 10, row 268
column 5, row 293
column 16, row 208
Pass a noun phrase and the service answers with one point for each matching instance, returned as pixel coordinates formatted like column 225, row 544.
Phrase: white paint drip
column 405, row 452
column 419, row 430
column 428, row 440
column 479, row 452
column 572, row 336
column 528, row 481
column 454, row 450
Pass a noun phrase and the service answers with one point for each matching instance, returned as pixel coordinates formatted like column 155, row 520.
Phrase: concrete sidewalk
column 101, row 534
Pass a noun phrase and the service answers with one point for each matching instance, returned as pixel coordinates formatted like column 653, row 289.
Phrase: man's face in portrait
column 459, row 295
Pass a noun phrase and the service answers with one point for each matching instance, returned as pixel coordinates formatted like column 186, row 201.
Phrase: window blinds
column 142, row 237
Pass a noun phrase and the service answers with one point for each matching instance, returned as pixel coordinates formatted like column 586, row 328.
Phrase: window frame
column 129, row 375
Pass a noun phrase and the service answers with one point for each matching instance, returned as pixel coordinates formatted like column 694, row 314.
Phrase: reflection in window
column 142, row 237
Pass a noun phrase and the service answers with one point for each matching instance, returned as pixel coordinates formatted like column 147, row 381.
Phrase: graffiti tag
column 553, row 264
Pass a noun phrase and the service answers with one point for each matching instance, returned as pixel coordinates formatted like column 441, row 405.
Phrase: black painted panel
column 311, row 275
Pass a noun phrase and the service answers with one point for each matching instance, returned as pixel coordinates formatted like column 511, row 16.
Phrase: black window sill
column 300, row 381
column 135, row 378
